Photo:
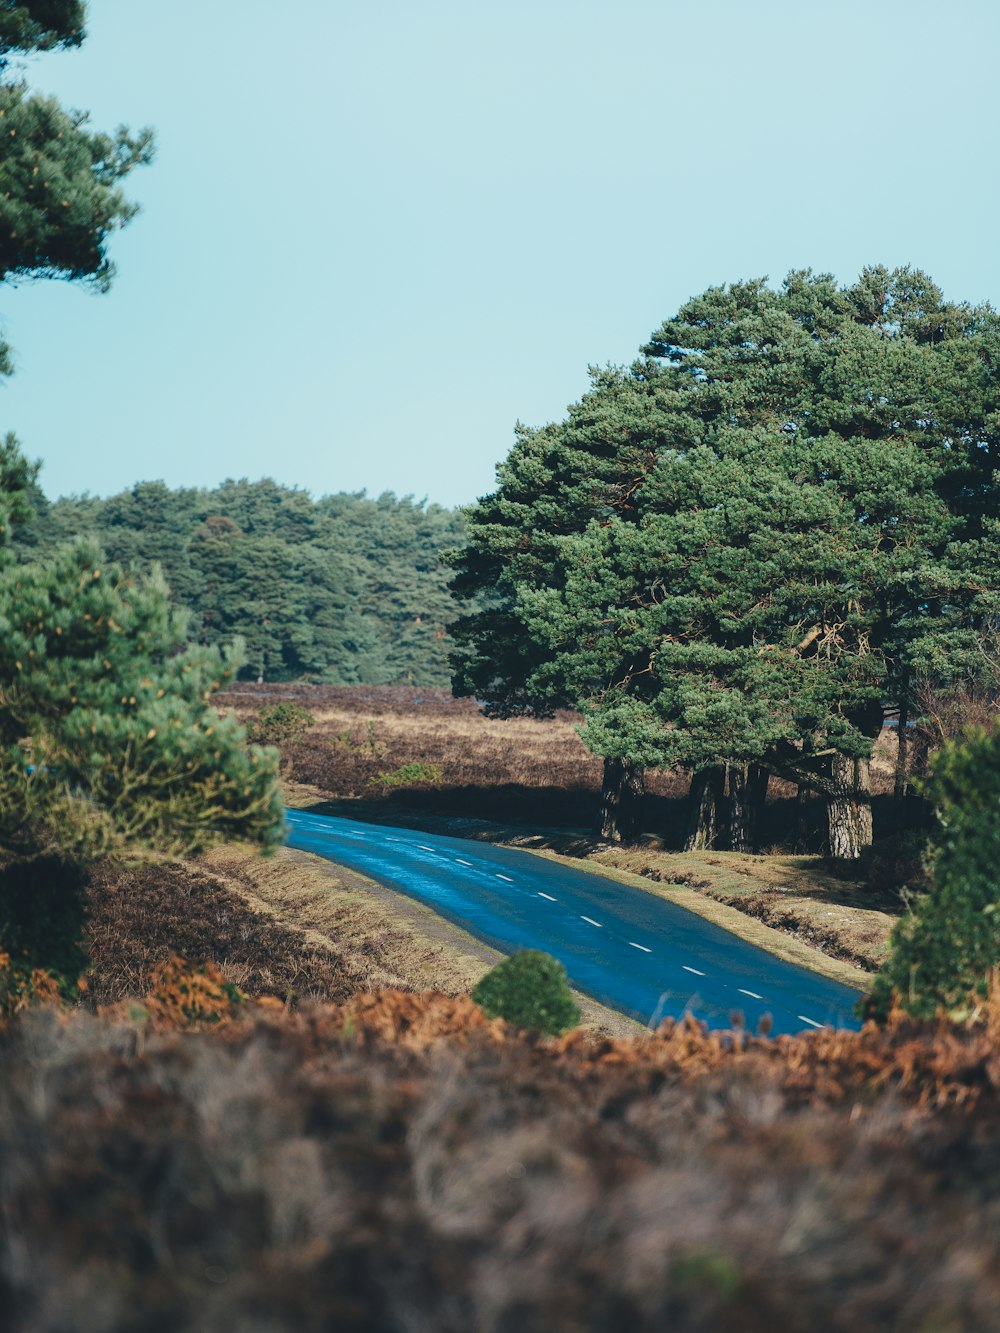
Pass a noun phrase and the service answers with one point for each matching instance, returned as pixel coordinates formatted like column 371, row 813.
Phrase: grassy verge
column 291, row 925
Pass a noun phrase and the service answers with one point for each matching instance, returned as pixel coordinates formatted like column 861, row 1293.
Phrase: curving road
column 625, row 947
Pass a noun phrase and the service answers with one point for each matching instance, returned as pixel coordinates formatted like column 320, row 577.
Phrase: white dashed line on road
column 692, row 969
column 460, row 862
column 639, row 946
column 752, row 993
column 546, row 895
column 591, row 922
column 811, row 1021
column 506, row 877
column 423, row 848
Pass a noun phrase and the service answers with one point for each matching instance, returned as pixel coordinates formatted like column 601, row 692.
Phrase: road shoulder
column 414, row 947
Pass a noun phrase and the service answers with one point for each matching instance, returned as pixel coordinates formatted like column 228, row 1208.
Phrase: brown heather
column 522, row 770
column 327, row 1151
column 401, row 1162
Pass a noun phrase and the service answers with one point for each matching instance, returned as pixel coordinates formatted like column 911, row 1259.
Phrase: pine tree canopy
column 60, row 195
column 107, row 733
column 761, row 534
column 345, row 589
column 40, row 25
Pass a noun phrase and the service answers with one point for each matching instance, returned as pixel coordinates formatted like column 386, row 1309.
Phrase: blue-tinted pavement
column 621, row 945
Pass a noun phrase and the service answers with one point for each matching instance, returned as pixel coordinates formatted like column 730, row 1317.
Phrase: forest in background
column 347, row 589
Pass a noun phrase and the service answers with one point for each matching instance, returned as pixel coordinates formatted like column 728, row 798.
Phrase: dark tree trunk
column 902, row 773
column 747, row 794
column 705, row 810
column 849, row 813
column 623, row 787
column 804, row 827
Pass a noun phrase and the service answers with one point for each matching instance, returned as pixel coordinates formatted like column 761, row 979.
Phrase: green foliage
column 341, row 590
column 40, row 25
column 529, row 989
column 106, row 723
column 107, row 733
column 410, row 775
column 59, row 195
column 279, row 724
column 944, row 951
column 750, row 542
column 59, row 182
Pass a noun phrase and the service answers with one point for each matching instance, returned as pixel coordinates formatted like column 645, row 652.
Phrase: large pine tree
column 814, row 531
column 107, row 733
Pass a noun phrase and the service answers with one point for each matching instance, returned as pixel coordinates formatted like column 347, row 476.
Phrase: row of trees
column 345, row 589
column 738, row 553
column 108, row 738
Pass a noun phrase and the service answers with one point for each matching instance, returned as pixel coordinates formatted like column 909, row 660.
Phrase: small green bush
column 945, row 949
column 530, row 990
column 279, row 723
column 409, row 775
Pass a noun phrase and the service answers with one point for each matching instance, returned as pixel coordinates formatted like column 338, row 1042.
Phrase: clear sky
column 376, row 235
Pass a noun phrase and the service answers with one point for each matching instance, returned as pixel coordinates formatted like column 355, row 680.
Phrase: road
column 624, row 946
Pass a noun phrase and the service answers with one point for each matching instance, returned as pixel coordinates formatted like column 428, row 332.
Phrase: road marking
column 692, row 969
column 506, row 877
column 423, row 848
column 460, row 862
column 388, row 839
column 591, row 922
column 546, row 895
column 639, row 946
column 811, row 1021
column 752, row 993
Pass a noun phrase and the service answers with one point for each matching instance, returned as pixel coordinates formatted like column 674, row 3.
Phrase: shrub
column 944, row 950
column 279, row 723
column 410, row 775
column 896, row 866
column 182, row 995
column 22, row 985
column 530, row 990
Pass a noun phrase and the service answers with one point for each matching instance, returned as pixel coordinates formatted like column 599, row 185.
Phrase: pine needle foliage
column 106, row 725
column 946, row 950
column 529, row 989
column 60, row 195
column 40, row 25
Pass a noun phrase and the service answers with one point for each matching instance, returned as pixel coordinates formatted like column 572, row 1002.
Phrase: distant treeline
column 345, row 589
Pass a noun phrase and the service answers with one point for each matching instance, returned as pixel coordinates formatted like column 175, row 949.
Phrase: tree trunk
column 707, row 793
column 849, row 814
column 623, row 787
column 804, row 823
column 902, row 754
column 747, row 794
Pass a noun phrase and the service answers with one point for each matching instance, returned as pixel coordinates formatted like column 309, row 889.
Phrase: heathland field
column 276, row 1107
column 421, row 756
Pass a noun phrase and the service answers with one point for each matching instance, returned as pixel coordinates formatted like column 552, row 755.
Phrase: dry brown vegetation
column 282, row 926
column 289, row 926
column 532, row 783
column 328, row 1157
column 399, row 1162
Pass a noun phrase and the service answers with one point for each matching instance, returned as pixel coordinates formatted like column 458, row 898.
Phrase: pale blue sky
column 378, row 234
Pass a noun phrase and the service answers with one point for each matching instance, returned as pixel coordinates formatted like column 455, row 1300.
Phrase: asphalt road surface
column 623, row 946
